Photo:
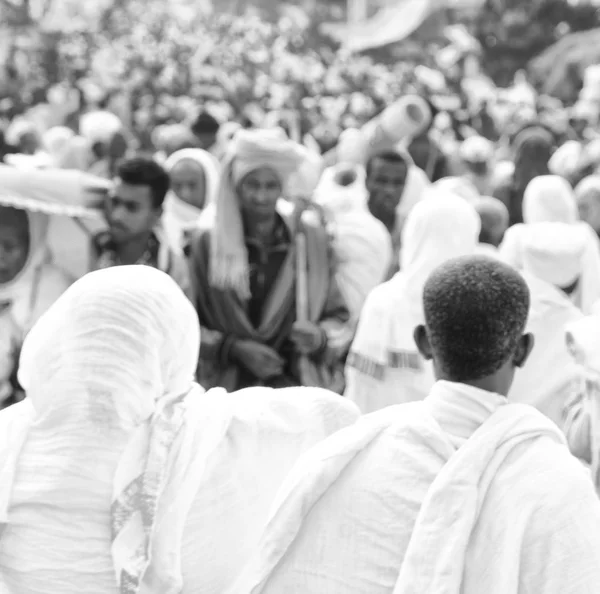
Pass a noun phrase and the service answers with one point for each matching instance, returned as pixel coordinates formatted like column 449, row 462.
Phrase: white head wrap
column 56, row 140
column 554, row 252
column 566, row 159
column 99, row 126
column 549, row 198
column 107, row 371
column 250, row 150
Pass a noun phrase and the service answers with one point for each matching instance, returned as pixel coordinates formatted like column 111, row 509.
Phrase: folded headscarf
column 179, row 215
column 549, row 198
column 107, row 371
column 250, row 150
column 554, row 252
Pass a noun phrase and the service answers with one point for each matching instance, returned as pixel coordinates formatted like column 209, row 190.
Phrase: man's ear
column 422, row 341
column 524, row 348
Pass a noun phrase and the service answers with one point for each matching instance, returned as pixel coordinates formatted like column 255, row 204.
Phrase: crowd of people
column 249, row 362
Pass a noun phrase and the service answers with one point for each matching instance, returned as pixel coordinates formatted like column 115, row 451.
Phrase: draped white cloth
column 24, row 299
column 549, row 200
column 582, row 410
column 119, row 468
column 362, row 244
column 546, row 380
column 460, row 494
column 384, row 366
column 179, row 216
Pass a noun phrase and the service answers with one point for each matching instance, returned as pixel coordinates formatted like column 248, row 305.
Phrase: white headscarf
column 549, row 199
column 179, row 215
column 107, row 371
column 362, row 244
column 56, row 140
column 250, row 150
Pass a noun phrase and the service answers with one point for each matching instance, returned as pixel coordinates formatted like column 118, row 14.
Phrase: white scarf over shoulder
column 384, row 366
column 362, row 244
column 117, row 466
column 460, row 494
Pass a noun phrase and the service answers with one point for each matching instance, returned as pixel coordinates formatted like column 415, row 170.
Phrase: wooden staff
column 301, row 278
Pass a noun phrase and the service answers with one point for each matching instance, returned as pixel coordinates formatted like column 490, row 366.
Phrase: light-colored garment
column 56, row 141
column 461, row 186
column 549, row 198
column 530, row 247
column 361, row 243
column 384, row 366
column 180, row 217
column 250, row 150
column 115, row 445
column 106, row 371
column 546, row 380
column 27, row 297
column 582, row 410
column 460, row 494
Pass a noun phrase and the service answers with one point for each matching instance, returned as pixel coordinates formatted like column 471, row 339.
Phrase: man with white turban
column 266, row 294
column 463, row 493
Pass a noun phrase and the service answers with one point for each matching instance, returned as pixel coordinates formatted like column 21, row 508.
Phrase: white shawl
column 362, row 244
column 384, row 366
column 461, row 494
column 179, row 216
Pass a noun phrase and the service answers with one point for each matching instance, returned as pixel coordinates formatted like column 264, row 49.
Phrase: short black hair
column 476, row 310
column 205, row 123
column 143, row 171
column 389, row 156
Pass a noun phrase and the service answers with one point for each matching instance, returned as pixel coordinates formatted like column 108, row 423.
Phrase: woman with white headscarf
column 29, row 283
column 362, row 244
column 549, row 199
column 194, row 183
column 118, row 475
column 384, row 366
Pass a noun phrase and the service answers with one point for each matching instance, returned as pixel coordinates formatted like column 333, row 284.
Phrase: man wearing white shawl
column 362, row 244
column 117, row 473
column 248, row 285
column 550, row 199
column 194, row 183
column 463, row 493
column 384, row 366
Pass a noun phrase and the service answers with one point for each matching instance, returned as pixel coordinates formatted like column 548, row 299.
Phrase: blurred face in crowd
column 29, row 143
column 14, row 243
column 130, row 212
column 189, row 183
column 385, row 183
column 259, row 191
column 589, row 208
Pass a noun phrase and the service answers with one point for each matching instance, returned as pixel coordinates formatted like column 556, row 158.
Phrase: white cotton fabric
column 549, row 198
column 37, row 286
column 384, row 366
column 547, row 378
column 530, row 246
column 461, row 494
column 268, row 430
column 179, row 216
column 582, row 411
column 361, row 243
column 98, row 369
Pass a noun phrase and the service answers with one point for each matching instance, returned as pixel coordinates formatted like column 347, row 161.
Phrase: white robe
column 384, row 366
column 461, row 494
column 546, row 380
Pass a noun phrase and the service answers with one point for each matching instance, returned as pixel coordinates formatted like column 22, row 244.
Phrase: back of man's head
column 476, row 310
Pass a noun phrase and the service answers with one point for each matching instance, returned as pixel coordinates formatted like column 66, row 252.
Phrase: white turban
column 554, row 252
column 549, row 198
column 250, row 150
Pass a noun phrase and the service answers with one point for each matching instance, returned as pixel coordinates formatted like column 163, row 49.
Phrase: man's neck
column 132, row 250
column 387, row 218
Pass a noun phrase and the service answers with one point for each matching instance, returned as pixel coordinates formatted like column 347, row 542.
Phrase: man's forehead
column 387, row 167
column 132, row 193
